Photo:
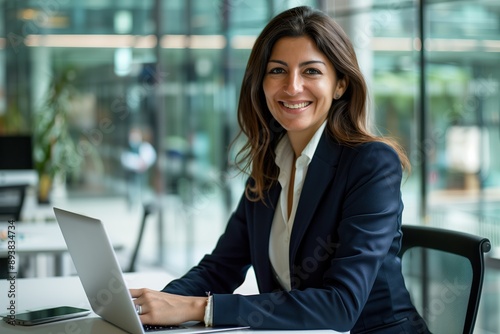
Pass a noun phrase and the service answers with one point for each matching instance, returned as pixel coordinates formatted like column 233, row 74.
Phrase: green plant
column 55, row 151
column 12, row 121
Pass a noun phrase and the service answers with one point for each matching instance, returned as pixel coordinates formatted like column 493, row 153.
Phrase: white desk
column 33, row 238
column 35, row 293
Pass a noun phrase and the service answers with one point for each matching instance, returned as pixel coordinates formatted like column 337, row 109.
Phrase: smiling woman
column 321, row 37
column 320, row 220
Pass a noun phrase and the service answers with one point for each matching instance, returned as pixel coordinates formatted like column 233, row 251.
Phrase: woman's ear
column 341, row 88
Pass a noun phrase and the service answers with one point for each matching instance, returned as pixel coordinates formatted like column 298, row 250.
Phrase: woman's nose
column 293, row 84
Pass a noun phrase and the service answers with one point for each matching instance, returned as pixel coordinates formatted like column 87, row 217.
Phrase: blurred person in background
column 139, row 157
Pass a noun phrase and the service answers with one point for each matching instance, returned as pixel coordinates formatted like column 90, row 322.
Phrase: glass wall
column 88, row 79
column 463, row 103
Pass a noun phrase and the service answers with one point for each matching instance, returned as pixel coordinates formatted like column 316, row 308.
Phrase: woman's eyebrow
column 305, row 63
column 278, row 61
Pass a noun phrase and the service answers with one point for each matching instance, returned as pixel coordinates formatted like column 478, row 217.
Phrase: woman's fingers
column 160, row 308
column 134, row 292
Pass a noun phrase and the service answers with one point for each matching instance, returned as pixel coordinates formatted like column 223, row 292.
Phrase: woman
column 320, row 219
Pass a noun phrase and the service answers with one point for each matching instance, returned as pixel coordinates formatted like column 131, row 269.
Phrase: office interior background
column 80, row 77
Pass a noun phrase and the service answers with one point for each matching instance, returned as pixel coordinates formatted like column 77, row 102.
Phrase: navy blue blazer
column 345, row 273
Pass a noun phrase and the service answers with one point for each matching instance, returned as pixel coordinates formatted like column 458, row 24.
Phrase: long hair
column 347, row 117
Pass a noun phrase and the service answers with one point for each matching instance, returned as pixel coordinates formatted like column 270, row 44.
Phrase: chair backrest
column 444, row 272
column 11, row 201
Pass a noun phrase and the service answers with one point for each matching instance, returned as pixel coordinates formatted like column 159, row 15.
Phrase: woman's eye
column 312, row 71
column 276, row 71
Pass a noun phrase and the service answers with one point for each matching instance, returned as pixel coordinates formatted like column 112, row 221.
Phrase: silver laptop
column 101, row 276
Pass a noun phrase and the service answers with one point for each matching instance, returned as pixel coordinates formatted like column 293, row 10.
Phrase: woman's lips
column 294, row 107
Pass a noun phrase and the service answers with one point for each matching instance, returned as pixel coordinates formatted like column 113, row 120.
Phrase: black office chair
column 11, row 201
column 444, row 271
column 11, row 204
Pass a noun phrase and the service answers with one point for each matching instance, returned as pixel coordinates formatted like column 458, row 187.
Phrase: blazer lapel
column 319, row 174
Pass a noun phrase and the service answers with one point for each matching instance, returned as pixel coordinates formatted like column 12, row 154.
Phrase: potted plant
column 55, row 151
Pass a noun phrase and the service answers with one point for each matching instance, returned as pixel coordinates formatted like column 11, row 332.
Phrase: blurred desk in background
column 37, row 238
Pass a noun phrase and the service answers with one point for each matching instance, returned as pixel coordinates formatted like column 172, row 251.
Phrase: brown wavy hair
column 347, row 117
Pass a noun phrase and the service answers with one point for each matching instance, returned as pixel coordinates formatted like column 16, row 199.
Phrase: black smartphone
column 43, row 316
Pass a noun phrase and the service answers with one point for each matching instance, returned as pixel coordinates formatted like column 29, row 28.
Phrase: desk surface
column 36, row 238
column 33, row 238
column 36, row 293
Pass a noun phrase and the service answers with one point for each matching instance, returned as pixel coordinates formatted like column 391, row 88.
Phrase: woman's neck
column 299, row 141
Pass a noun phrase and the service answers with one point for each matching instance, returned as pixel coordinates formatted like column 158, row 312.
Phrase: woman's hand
column 160, row 308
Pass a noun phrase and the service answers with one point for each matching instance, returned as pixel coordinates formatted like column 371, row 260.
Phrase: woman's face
column 300, row 84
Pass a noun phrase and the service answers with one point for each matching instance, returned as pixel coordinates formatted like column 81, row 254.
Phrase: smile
column 297, row 105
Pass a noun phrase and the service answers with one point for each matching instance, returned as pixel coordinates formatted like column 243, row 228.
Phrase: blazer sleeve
column 370, row 218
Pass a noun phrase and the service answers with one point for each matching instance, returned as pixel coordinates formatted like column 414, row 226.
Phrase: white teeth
column 296, row 106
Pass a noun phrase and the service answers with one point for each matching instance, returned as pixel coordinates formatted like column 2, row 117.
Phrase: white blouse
column 281, row 229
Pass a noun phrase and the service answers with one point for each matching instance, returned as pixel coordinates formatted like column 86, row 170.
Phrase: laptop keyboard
column 155, row 328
